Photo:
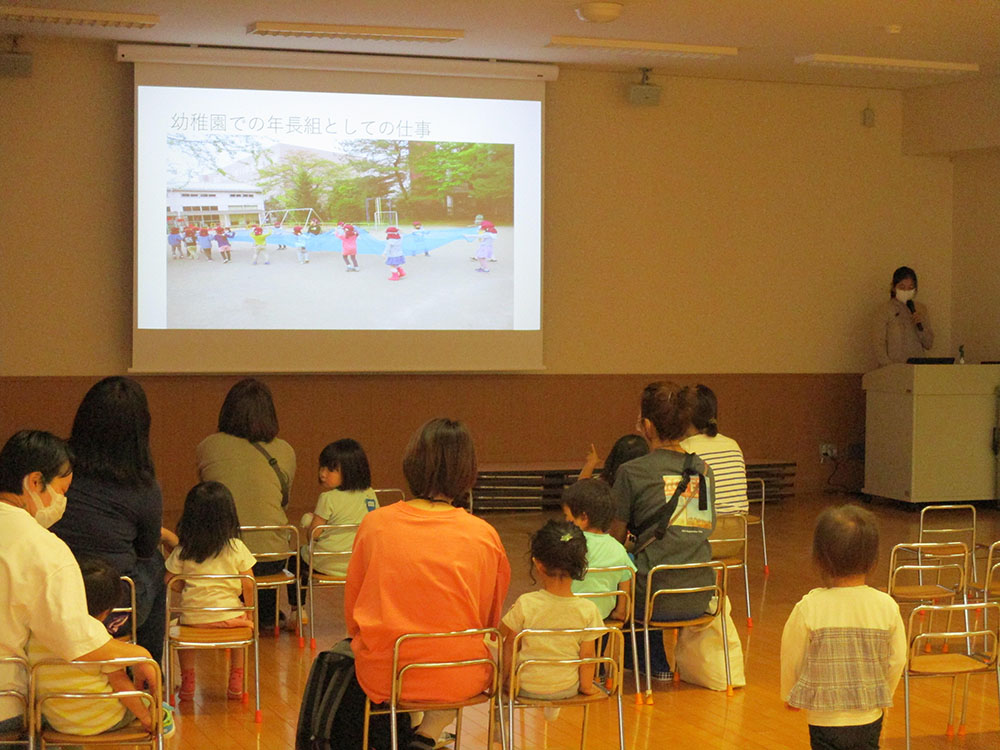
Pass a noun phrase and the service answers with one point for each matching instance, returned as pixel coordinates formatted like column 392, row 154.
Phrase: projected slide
column 291, row 210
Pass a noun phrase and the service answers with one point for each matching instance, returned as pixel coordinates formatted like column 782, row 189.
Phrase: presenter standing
column 902, row 328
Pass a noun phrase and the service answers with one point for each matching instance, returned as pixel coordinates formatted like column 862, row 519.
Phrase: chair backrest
column 612, row 657
column 491, row 658
column 152, row 695
column 18, row 663
column 717, row 588
column 615, row 594
column 291, row 535
column 729, row 539
column 950, row 567
column 317, row 533
column 176, row 608
column 976, row 637
column 992, row 570
column 947, row 523
column 130, row 609
column 389, row 496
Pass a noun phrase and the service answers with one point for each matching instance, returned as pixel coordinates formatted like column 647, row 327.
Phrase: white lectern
column 929, row 432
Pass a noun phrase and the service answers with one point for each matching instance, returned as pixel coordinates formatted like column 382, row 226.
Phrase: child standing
column 394, row 253
column 485, row 252
column 204, row 241
column 259, row 236
column 345, row 475
column 174, row 240
column 103, row 587
column 300, row 244
column 209, row 535
column 843, row 648
column 590, row 506
column 419, row 239
column 222, row 237
column 349, row 244
column 558, row 557
column 190, row 241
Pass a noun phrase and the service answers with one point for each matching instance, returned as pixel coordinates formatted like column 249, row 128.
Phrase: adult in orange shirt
column 426, row 566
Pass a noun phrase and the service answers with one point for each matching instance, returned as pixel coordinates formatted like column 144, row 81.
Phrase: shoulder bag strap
column 282, row 476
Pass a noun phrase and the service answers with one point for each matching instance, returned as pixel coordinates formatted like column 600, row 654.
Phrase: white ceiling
column 768, row 33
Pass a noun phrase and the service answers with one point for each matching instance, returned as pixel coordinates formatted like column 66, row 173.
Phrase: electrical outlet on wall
column 827, row 452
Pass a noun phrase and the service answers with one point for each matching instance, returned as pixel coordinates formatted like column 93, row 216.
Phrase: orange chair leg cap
column 277, row 631
column 649, row 700
column 245, row 699
column 312, row 643
column 729, row 691
column 950, row 731
column 944, row 648
column 258, row 717
column 749, row 622
column 302, row 642
column 172, row 699
column 961, row 730
column 677, row 676
column 638, row 700
column 767, row 570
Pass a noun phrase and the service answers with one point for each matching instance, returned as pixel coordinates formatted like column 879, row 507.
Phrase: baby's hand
column 592, row 458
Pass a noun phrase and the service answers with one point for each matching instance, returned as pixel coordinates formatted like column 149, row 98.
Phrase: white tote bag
column 699, row 657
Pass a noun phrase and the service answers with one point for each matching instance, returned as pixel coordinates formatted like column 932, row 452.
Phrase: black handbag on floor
column 332, row 713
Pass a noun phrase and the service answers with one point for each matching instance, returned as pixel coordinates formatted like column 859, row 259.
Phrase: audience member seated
column 114, row 509
column 625, row 449
column 40, row 583
column 240, row 456
column 426, row 566
column 722, row 453
column 671, row 522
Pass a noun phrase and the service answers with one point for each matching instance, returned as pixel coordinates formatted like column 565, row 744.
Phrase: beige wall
column 759, row 220
column 976, row 288
column 959, row 116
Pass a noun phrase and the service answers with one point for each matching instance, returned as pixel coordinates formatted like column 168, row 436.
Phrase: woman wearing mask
column 40, row 583
column 115, row 509
column 902, row 329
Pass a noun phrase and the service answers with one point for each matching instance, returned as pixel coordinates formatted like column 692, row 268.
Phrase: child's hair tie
column 565, row 537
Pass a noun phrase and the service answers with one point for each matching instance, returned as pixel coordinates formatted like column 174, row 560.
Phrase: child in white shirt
column 843, row 648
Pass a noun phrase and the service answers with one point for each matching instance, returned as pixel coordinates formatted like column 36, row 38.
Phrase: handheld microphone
column 912, row 308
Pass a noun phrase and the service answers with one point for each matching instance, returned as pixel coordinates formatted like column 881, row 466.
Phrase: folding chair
column 320, row 580
column 957, row 525
column 133, row 735
column 195, row 637
column 732, row 550
column 753, row 520
column 974, row 651
column 718, row 591
column 947, row 561
column 22, row 738
column 130, row 610
column 389, row 496
column 613, row 665
column 629, row 619
column 991, row 585
column 397, row 705
column 283, row 577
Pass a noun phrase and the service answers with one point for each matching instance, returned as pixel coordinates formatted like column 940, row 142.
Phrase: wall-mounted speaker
column 644, row 95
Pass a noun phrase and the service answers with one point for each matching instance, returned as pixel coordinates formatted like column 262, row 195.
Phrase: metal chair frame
column 215, row 637
column 279, row 580
column 930, row 592
column 130, row 609
column 991, row 584
column 613, row 664
column 735, row 563
column 629, row 617
column 948, row 663
column 718, row 590
column 321, row 580
column 390, row 495
column 153, row 738
column 753, row 520
column 25, row 741
column 396, row 706
column 966, row 534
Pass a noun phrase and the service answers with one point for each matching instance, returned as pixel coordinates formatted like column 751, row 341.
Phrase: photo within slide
column 349, row 214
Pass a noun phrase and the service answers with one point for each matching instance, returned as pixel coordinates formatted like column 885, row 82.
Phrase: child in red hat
column 394, row 253
column 485, row 252
column 349, row 242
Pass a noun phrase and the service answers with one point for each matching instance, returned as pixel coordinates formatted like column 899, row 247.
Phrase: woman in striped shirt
column 722, row 453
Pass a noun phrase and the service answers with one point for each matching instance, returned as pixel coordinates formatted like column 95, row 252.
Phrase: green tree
column 385, row 162
column 301, row 181
column 475, row 175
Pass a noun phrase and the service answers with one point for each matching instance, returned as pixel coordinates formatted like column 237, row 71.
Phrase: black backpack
column 332, row 713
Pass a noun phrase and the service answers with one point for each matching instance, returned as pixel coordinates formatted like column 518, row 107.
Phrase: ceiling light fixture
column 332, row 31
column 652, row 49
column 78, row 17
column 599, row 12
column 888, row 63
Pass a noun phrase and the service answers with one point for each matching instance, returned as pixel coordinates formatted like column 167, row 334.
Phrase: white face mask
column 905, row 295
column 47, row 515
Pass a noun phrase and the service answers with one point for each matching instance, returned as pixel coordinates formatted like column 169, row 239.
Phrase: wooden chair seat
column 668, row 624
column 977, row 590
column 12, row 737
column 432, row 706
column 940, row 550
column 922, row 593
column 194, row 634
column 133, row 733
column 753, row 520
column 275, row 579
column 323, row 578
column 577, row 700
column 945, row 664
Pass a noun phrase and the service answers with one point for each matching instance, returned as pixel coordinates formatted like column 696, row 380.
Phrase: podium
column 929, row 432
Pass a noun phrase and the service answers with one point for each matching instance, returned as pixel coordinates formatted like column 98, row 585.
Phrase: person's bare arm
column 315, row 524
column 620, row 612
column 168, row 539
column 507, row 636
column 120, row 681
column 587, row 671
column 591, row 463
column 247, row 589
column 112, row 649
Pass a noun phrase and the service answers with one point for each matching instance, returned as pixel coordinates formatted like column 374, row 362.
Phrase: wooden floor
column 687, row 716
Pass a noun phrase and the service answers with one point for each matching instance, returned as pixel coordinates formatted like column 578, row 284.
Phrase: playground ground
column 440, row 292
